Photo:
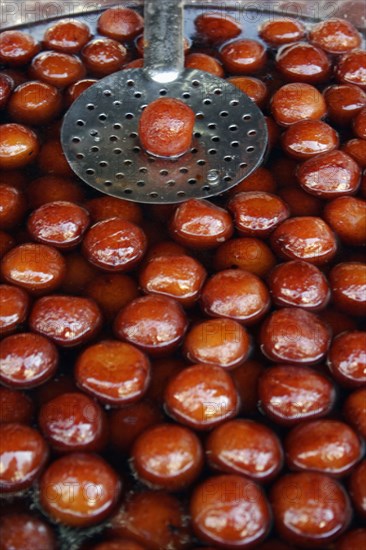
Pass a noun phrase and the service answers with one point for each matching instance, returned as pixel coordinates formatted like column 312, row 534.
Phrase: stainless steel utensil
column 99, row 134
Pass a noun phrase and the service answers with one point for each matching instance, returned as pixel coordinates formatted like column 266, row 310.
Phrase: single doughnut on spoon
column 100, row 131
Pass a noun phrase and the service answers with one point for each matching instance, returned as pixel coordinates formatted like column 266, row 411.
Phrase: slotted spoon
column 100, row 131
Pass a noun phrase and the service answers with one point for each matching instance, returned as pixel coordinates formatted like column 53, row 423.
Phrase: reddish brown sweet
column 259, row 180
column 300, row 203
column 37, row 268
column 348, row 284
column 15, row 407
column 222, row 342
column 79, row 490
column 305, row 238
column 73, row 422
column 243, row 56
column 127, row 423
column 217, row 26
column 245, row 447
column 293, row 335
column 120, row 23
column 359, row 124
column 357, row 488
column 352, row 540
column 295, row 102
column 12, row 206
column 310, row 509
column 257, row 214
column 204, row 62
column 326, row 446
column 6, row 87
column 76, row 89
column 114, row 244
column 111, row 291
column 167, row 456
column 56, row 68
column 17, row 48
column 102, row 208
column 338, row 321
column 27, row 360
column 154, row 519
column 249, row 254
column 299, row 284
column 66, row 320
column 116, row 373
column 23, row 453
column 335, row 36
column 103, row 56
column 307, row 138
column 303, row 62
column 235, row 294
column 329, row 175
column 344, row 101
column 347, row 358
column 53, row 188
column 67, row 36
column 290, row 394
column 253, row 87
column 79, row 273
column 21, row 530
column 61, row 224
column 14, row 306
column 52, row 160
column 355, row 412
column 351, row 68
column 155, row 324
column 201, row 396
column 181, row 279
column 356, row 148
column 19, row 146
column 166, row 127
column 230, row 511
column 200, row 224
column 35, row 103
column 279, row 31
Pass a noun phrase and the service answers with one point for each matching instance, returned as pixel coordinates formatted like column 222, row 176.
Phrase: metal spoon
column 99, row 133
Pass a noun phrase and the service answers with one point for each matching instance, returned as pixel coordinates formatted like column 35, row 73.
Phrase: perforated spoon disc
column 100, row 138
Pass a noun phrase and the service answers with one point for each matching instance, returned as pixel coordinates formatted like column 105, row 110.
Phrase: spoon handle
column 163, row 39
